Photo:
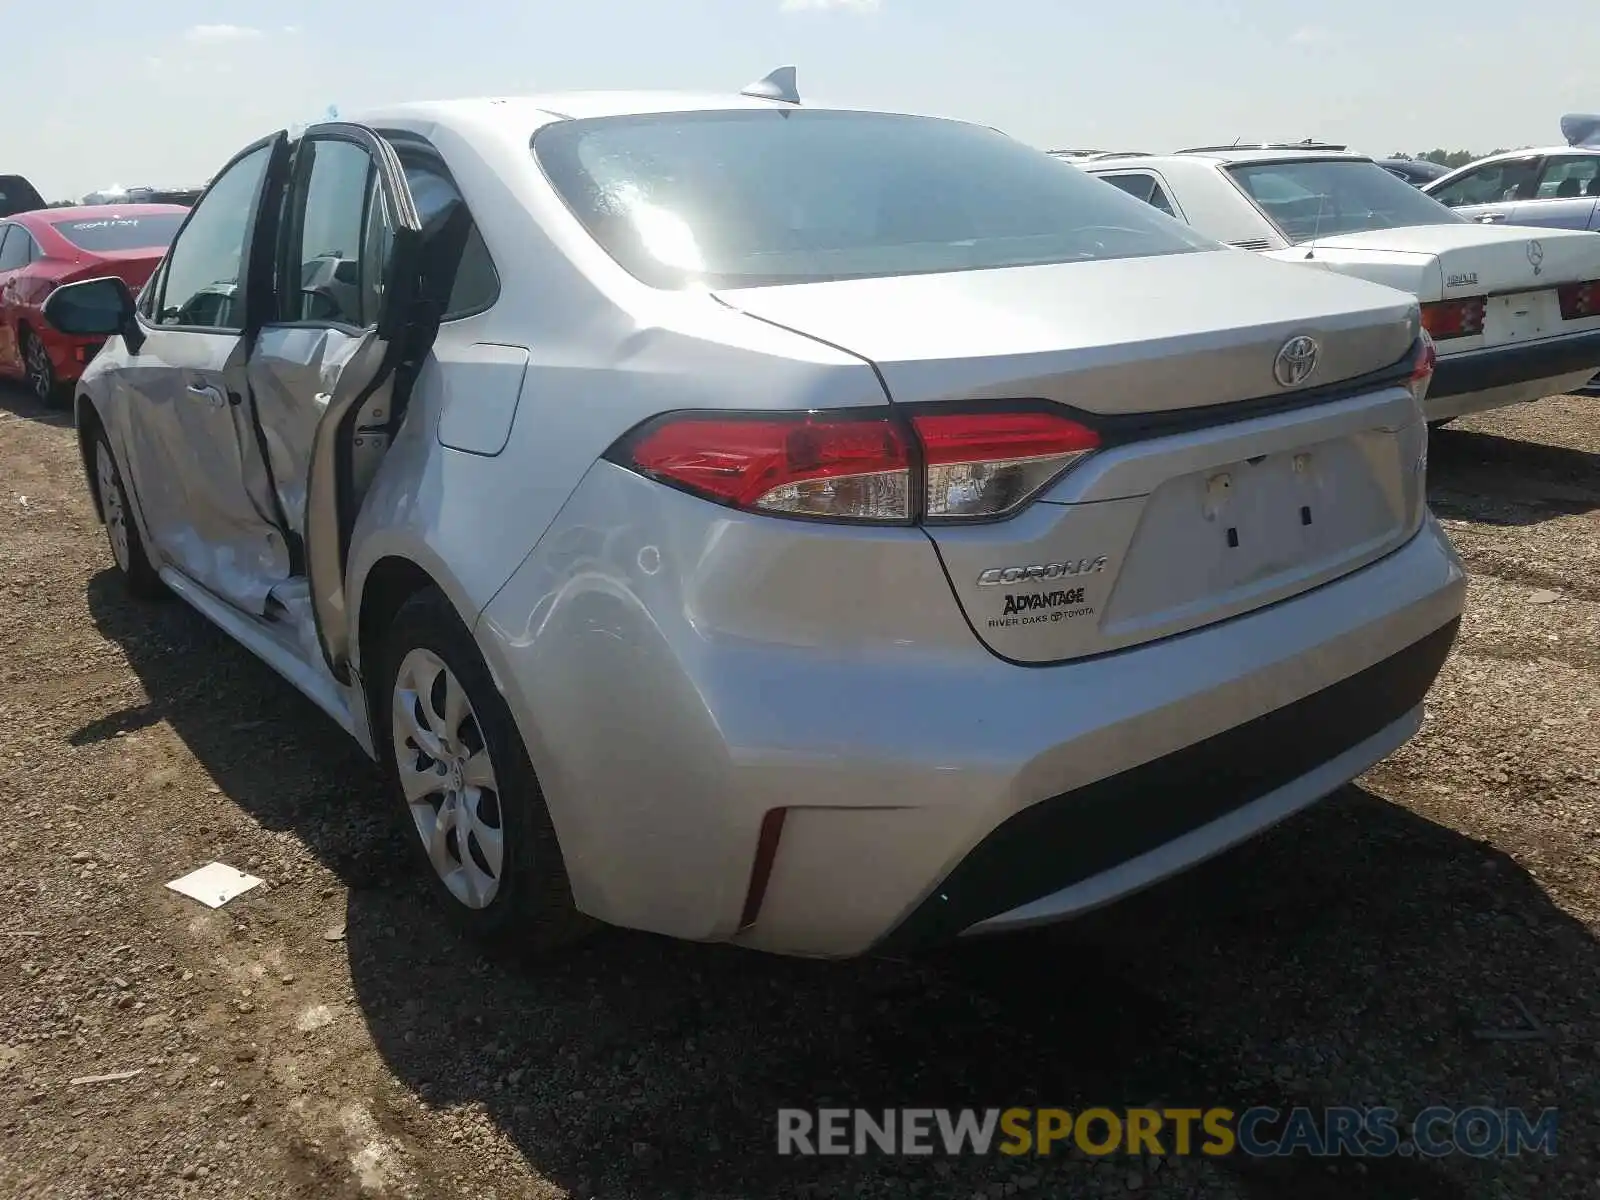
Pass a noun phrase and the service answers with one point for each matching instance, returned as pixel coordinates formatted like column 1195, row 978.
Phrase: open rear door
column 332, row 380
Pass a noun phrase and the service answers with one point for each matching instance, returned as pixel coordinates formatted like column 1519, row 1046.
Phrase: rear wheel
column 122, row 531
column 41, row 372
column 467, row 796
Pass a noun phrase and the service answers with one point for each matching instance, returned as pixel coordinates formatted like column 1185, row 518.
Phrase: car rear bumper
column 1483, row 379
column 69, row 355
column 670, row 716
column 1097, row 843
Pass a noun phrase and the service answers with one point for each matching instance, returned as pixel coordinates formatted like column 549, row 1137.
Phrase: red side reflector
column 1580, row 300
column 1455, row 318
column 1422, row 373
column 761, row 868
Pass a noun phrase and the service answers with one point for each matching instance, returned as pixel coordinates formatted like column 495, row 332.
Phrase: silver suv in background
column 823, row 531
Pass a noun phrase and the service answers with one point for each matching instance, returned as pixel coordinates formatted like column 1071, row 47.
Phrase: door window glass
column 1566, row 178
column 202, row 282
column 14, row 252
column 338, row 239
column 1492, row 183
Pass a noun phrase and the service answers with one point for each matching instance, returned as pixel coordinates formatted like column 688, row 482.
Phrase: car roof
column 1221, row 158
column 1245, row 154
column 529, row 112
column 1530, row 151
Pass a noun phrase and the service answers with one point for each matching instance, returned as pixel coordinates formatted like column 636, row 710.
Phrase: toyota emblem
column 1295, row 361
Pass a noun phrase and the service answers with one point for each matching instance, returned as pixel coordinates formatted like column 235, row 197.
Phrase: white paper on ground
column 214, row 884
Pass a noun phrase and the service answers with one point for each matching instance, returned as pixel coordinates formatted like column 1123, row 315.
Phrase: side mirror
column 94, row 308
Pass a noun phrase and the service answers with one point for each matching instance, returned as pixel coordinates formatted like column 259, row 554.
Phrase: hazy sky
column 162, row 93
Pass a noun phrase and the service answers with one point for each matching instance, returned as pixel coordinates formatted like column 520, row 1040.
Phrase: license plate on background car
column 1521, row 317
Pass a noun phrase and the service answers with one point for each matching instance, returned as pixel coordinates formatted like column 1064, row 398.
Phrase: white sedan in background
column 1514, row 312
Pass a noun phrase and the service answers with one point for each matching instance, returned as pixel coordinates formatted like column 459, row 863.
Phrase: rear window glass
column 154, row 232
column 749, row 198
column 1311, row 198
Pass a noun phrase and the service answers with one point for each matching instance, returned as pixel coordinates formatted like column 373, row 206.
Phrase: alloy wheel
column 448, row 778
column 41, row 372
column 111, row 503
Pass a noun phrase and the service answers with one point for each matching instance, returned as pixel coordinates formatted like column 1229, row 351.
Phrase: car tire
column 504, row 884
column 122, row 529
column 39, row 371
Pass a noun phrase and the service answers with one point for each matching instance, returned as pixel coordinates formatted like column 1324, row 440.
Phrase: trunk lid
column 1113, row 336
column 1477, row 260
column 1207, row 513
column 133, row 267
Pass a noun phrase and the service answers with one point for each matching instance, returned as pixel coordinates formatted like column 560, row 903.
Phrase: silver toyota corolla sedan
column 825, row 531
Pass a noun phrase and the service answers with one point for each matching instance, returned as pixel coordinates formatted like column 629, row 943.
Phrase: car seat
column 1569, row 188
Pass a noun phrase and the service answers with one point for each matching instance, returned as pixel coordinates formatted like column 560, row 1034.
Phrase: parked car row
column 1514, row 311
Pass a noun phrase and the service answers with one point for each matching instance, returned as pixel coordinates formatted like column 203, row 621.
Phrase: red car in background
column 42, row 249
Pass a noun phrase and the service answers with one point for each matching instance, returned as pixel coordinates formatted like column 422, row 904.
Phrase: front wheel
column 122, row 530
column 467, row 797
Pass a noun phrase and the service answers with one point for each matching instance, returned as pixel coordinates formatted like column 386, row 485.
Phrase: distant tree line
column 1449, row 158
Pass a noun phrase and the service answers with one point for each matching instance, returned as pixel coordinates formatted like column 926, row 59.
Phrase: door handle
column 204, row 391
column 1491, row 218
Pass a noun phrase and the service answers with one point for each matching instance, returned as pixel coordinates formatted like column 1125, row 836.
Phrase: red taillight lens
column 1580, row 300
column 802, row 464
column 989, row 464
column 1454, row 318
column 974, row 465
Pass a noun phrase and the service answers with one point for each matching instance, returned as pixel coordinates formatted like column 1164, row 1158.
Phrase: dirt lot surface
column 322, row 1037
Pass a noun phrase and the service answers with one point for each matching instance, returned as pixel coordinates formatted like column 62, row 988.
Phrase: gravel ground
column 321, row 1037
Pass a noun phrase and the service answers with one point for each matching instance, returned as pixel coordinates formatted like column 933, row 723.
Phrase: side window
column 1158, row 199
column 1137, row 186
column 1143, row 187
column 1563, row 178
column 201, row 284
column 14, row 252
column 338, row 232
column 1489, row 184
column 477, row 283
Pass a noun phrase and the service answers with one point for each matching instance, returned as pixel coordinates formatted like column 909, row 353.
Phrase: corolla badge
column 1536, row 255
column 1038, row 572
column 1295, row 361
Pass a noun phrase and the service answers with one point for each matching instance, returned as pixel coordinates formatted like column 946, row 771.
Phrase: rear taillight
column 1580, row 300
column 944, row 466
column 803, row 464
column 1454, row 318
column 989, row 464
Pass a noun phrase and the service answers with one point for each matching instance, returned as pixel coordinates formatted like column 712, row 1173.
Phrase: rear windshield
column 757, row 197
column 154, row 232
column 1310, row 199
